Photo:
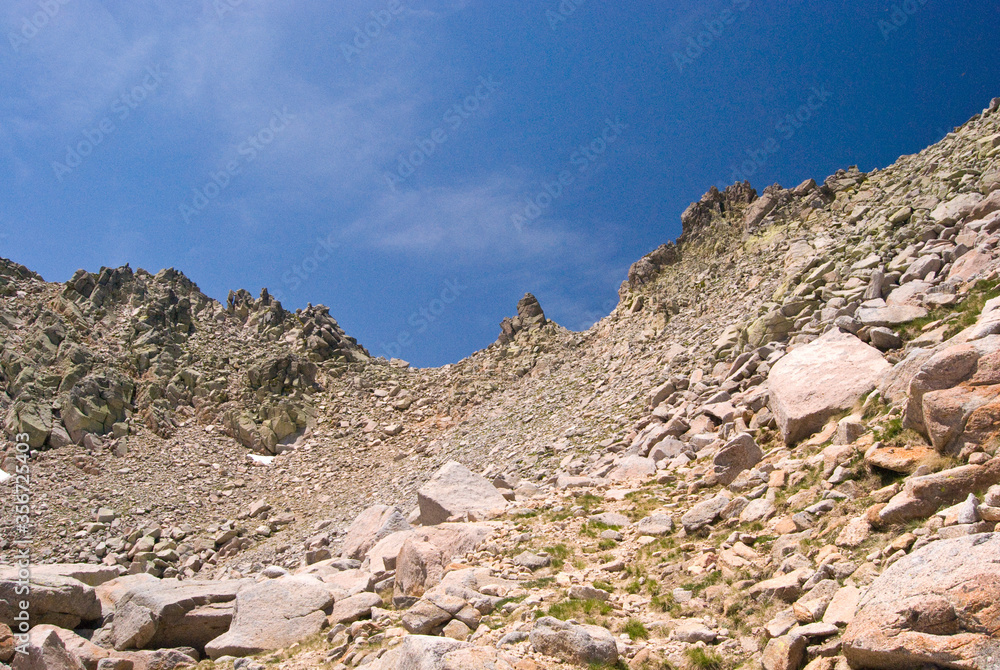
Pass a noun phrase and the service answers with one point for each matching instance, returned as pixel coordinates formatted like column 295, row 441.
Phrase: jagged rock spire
column 529, row 317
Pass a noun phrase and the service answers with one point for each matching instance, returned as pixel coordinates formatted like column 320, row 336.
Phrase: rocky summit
column 779, row 451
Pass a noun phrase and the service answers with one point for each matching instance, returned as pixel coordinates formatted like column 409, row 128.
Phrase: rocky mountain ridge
column 763, row 457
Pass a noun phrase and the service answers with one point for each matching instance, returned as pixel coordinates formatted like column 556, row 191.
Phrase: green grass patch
column 620, row 665
column 699, row 585
column 961, row 316
column 704, row 660
column 587, row 610
column 643, row 502
column 889, row 430
column 592, row 528
column 660, row 544
column 877, row 408
column 635, row 629
column 666, row 603
column 540, row 583
column 558, row 553
column 589, row 501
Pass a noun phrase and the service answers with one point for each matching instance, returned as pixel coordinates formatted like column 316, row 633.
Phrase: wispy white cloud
column 225, row 75
column 71, row 70
column 453, row 219
column 471, row 225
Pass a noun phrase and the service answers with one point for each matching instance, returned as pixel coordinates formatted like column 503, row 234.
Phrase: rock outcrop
column 936, row 606
column 55, row 600
column 529, row 317
column 172, row 613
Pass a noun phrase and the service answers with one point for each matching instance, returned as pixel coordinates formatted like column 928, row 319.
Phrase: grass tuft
column 704, row 660
column 574, row 609
column 635, row 629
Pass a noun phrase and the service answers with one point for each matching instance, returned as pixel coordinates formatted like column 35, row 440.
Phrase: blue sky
column 418, row 166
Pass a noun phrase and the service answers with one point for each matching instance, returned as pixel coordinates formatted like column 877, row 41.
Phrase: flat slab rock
column 939, row 605
column 903, row 459
column 457, row 493
column 171, row 613
column 91, row 575
column 922, row 496
column 57, row 600
column 632, row 468
column 426, row 652
column 274, row 614
column 821, row 379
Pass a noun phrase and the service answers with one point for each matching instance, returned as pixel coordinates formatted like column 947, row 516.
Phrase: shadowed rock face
column 697, row 218
column 529, row 317
column 56, row 600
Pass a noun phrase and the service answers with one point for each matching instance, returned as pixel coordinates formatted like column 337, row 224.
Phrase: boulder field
column 777, row 452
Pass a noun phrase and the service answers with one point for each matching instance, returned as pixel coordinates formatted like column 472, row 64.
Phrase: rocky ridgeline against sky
column 778, row 451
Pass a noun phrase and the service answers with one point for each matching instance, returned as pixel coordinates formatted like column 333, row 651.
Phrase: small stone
column 586, row 592
column 784, row 653
column 105, row 515
column 969, row 511
column 818, row 629
column 694, row 631
column 849, row 429
column 115, row 664
column 351, row 609
column 854, row 533
column 885, row 338
column 739, row 454
column 258, row 508
column 782, row 622
column 456, row 630
column 424, row 617
column 532, row 561
column 787, row 587
column 704, row 513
